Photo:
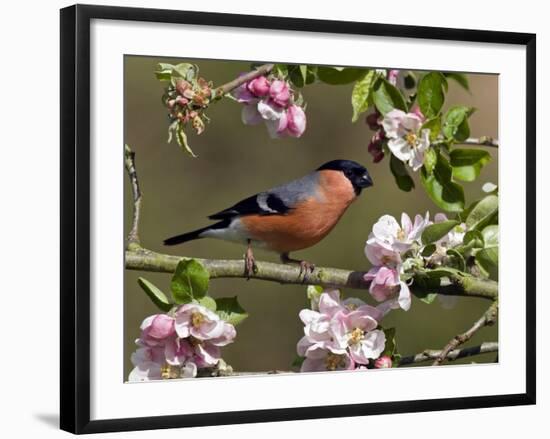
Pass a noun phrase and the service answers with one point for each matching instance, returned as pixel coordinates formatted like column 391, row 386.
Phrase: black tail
column 195, row 234
column 190, row 236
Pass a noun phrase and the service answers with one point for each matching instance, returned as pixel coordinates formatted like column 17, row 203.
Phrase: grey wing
column 277, row 201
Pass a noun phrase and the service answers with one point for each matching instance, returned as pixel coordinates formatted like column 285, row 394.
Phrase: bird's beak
column 365, row 181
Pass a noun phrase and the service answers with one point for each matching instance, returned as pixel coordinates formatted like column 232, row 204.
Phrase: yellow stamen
column 333, row 361
column 356, row 336
column 411, row 139
column 197, row 319
column 401, row 234
column 169, row 372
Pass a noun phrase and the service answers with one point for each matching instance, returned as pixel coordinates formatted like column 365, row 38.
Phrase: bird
column 289, row 217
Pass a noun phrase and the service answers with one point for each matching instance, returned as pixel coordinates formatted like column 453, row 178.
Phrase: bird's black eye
column 348, row 173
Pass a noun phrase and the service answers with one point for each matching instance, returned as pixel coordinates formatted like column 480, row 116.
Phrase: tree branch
column 147, row 260
column 482, row 141
column 455, row 354
column 488, row 318
column 129, row 163
column 231, row 85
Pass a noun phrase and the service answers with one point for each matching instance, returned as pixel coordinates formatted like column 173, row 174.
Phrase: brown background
column 236, row 161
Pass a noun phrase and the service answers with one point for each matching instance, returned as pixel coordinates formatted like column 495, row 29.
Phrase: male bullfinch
column 290, row 217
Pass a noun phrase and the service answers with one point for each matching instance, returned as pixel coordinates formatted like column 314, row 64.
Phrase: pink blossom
column 296, row 124
column 416, row 110
column 364, row 340
column 156, row 329
column 242, row 93
column 150, row 365
column 199, row 322
column 259, row 86
column 275, row 118
column 327, row 360
column 280, row 93
column 406, row 139
column 392, row 76
column 383, row 362
column 386, row 285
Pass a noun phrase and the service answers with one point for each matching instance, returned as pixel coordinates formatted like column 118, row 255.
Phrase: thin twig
column 231, row 85
column 129, row 162
column 481, row 141
column 455, row 354
column 488, row 318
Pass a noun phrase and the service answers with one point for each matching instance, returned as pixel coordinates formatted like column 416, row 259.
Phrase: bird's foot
column 306, row 268
column 250, row 266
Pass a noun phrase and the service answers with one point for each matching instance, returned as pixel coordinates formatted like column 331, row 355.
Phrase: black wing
column 264, row 203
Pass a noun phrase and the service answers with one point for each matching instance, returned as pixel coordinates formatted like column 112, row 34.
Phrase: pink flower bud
column 416, row 110
column 180, row 100
column 375, row 146
column 181, row 86
column 259, row 86
column 296, row 121
column 373, row 121
column 280, row 93
column 392, row 76
column 384, row 362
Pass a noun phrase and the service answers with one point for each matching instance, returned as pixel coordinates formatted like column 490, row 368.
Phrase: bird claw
column 305, row 268
column 250, row 266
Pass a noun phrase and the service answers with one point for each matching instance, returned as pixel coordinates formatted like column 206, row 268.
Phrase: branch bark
column 147, row 260
column 488, row 318
column 129, row 162
column 455, row 354
column 481, row 141
column 231, row 85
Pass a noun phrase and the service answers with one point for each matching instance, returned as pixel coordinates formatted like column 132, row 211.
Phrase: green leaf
column 430, row 94
column 456, row 123
column 229, row 309
column 430, row 160
column 456, row 259
column 303, row 71
column 439, row 186
column 185, row 71
column 460, row 78
column 155, row 294
column 428, row 250
column 467, row 163
column 313, row 295
column 390, row 349
column 297, row 362
column 190, row 281
column 207, row 302
column 402, row 177
column 485, row 212
column 487, row 258
column 437, row 231
column 339, row 76
column 434, row 125
column 387, row 97
column 490, row 235
column 163, row 71
column 181, row 137
column 474, row 239
column 360, row 96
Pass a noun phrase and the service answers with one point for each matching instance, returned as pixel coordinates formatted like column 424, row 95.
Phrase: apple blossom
column 386, row 286
column 258, row 86
column 406, row 139
column 383, row 362
column 296, row 121
column 279, row 93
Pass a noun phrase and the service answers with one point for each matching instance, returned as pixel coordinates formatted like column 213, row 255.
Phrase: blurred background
column 236, row 161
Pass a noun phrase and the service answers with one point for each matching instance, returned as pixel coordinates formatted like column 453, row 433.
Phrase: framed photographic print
column 269, row 218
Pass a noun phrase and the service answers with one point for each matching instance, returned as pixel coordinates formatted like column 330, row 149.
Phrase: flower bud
column 180, row 100
column 296, row 121
column 392, row 76
column 280, row 93
column 373, row 121
column 259, row 86
column 181, row 86
column 383, row 362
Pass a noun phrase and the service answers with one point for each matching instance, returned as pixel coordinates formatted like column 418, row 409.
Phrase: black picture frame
column 75, row 216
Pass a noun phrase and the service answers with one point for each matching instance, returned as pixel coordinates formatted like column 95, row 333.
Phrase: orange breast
column 309, row 221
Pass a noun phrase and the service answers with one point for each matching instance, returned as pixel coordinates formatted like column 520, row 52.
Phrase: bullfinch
column 290, row 217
